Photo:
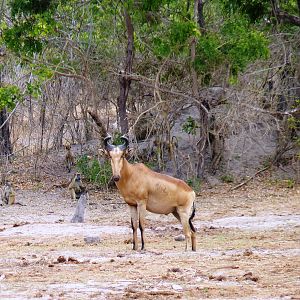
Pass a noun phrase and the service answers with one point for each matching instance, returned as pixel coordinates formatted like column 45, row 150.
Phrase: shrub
column 194, row 183
column 93, row 171
column 228, row 178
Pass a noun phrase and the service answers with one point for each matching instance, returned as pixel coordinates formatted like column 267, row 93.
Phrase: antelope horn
column 125, row 144
column 107, row 145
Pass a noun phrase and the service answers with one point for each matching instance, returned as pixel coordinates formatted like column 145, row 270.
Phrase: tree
column 176, row 54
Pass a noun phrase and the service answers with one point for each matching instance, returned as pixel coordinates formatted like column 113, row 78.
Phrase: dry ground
column 248, row 248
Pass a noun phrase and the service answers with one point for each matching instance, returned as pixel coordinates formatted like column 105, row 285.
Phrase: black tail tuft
column 191, row 218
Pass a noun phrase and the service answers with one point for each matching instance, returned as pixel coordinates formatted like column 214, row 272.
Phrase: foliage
column 32, row 24
column 237, row 43
column 174, row 38
column 288, row 183
column 190, row 126
column 209, row 54
column 228, row 178
column 194, row 183
column 9, row 96
column 253, row 9
column 116, row 139
column 243, row 44
column 257, row 10
column 86, row 41
column 30, row 7
column 293, row 122
column 93, row 171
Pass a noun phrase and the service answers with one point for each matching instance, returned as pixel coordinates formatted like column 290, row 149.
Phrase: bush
column 93, row 171
column 228, row 178
column 194, row 183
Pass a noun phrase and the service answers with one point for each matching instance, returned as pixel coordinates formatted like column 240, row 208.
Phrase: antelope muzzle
column 116, row 178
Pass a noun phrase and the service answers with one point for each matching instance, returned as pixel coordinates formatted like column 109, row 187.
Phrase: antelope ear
column 103, row 153
column 129, row 152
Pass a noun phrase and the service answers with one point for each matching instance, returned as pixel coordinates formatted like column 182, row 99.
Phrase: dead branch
column 249, row 179
column 98, row 122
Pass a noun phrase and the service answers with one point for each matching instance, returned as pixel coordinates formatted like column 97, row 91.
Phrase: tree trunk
column 124, row 76
column 202, row 143
column 5, row 144
column 200, row 18
column 42, row 121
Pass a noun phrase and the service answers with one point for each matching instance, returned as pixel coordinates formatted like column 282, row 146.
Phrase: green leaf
column 9, row 96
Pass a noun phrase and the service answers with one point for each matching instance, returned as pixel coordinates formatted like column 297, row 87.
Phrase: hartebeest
column 144, row 189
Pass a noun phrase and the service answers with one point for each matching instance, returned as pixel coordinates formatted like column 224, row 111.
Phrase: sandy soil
column 248, row 248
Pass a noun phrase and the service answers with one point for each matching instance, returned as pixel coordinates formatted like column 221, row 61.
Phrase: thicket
column 135, row 66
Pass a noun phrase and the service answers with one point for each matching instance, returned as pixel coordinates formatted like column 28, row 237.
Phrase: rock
column 160, row 228
column 73, row 260
column 212, row 181
column 179, row 238
column 217, row 277
column 247, row 252
column 176, row 270
column 177, row 287
column 80, row 209
column 61, row 259
column 250, row 276
column 92, row 239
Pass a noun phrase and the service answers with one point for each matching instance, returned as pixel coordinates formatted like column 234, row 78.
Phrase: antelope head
column 116, row 155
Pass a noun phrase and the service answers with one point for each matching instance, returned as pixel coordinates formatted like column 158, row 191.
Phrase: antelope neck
column 126, row 170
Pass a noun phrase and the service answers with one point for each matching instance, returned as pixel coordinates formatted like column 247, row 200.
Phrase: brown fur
column 76, row 187
column 69, row 158
column 8, row 194
column 170, row 179
column 144, row 189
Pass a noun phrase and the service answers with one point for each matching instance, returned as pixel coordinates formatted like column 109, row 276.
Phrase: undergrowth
column 94, row 172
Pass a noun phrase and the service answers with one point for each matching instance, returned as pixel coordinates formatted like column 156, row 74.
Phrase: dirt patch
column 248, row 248
column 44, row 230
column 254, row 223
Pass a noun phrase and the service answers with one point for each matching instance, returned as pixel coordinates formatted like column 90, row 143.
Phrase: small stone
column 247, row 252
column 176, row 270
column 160, row 228
column 217, row 277
column 177, row 287
column 2, row 277
column 179, row 238
column 250, row 276
column 220, row 278
column 73, row 260
column 92, row 239
column 61, row 259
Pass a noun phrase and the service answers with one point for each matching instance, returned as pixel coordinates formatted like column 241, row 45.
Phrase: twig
column 249, row 179
column 10, row 115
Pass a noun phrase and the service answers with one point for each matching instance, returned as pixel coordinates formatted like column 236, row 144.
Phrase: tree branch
column 287, row 18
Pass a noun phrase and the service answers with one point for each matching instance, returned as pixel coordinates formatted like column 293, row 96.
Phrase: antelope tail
column 191, row 218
